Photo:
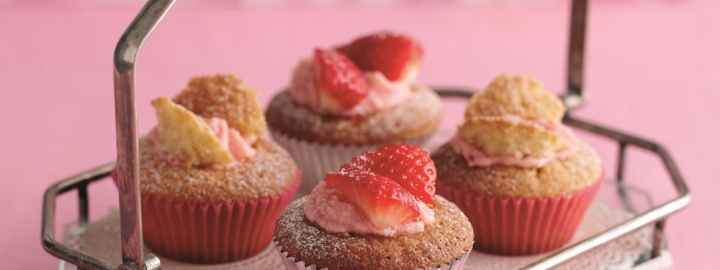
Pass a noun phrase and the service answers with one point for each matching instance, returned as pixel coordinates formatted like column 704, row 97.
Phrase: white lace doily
column 101, row 239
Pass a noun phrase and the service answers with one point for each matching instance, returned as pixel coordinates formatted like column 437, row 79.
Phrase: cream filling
column 382, row 93
column 478, row 158
column 325, row 208
column 239, row 147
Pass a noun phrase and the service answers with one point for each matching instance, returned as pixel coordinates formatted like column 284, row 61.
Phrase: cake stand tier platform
column 100, row 240
column 627, row 234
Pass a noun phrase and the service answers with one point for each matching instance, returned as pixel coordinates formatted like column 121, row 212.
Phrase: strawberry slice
column 409, row 165
column 339, row 78
column 383, row 201
column 389, row 53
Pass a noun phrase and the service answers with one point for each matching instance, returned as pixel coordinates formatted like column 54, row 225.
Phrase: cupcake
column 522, row 178
column 378, row 211
column 345, row 101
column 212, row 186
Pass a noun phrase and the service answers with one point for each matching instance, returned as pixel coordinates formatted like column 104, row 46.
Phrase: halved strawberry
column 339, row 78
column 389, row 53
column 383, row 201
column 408, row 165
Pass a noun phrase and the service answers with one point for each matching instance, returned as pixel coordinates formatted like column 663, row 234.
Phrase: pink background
column 651, row 69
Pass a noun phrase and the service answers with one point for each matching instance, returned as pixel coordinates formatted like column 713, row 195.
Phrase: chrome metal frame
column 125, row 125
column 127, row 165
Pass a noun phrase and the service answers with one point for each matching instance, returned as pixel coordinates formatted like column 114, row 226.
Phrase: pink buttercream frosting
column 476, row 157
column 239, row 147
column 382, row 93
column 325, row 208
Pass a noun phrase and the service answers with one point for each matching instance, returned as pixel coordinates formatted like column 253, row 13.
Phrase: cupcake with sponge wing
column 212, row 186
column 516, row 121
column 520, row 175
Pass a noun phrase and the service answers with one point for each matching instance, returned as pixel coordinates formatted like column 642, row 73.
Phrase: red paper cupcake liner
column 521, row 226
column 212, row 232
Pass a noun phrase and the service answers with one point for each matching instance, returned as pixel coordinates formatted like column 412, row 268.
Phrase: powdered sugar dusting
column 271, row 172
column 557, row 177
column 446, row 239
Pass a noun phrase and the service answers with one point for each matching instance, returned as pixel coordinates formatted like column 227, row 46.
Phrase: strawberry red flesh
column 383, row 201
column 409, row 165
column 389, row 53
column 339, row 77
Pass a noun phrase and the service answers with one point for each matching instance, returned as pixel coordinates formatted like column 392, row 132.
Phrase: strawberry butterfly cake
column 378, row 211
column 212, row 185
column 346, row 100
column 520, row 175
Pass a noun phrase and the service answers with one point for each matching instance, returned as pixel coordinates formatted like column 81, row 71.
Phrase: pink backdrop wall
column 652, row 69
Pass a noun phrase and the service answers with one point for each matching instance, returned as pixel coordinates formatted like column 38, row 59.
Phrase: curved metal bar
column 454, row 92
column 127, row 143
column 576, row 54
column 47, row 230
column 655, row 215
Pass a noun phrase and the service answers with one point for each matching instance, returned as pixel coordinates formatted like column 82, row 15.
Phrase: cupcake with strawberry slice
column 378, row 211
column 347, row 100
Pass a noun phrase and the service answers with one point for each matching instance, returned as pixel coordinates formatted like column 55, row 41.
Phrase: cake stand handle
column 576, row 54
column 127, row 168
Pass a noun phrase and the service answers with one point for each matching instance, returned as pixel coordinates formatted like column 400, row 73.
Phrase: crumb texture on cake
column 515, row 117
column 580, row 170
column 226, row 97
column 448, row 238
column 516, row 95
column 269, row 174
column 417, row 117
column 496, row 138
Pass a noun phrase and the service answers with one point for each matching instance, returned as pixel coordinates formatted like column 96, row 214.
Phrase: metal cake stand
column 131, row 246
